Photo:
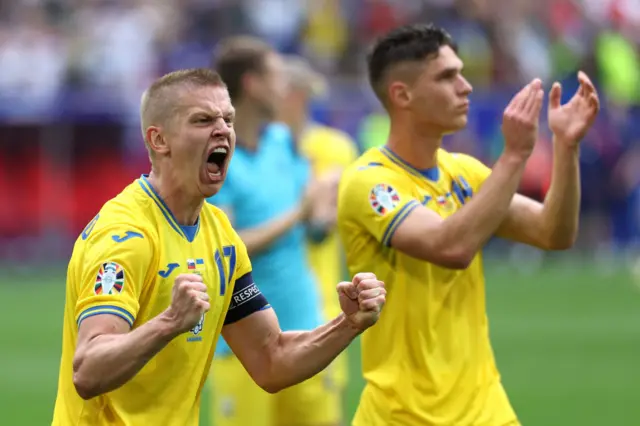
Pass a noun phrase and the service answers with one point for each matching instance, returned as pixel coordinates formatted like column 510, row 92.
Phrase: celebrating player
column 266, row 200
column 157, row 275
column 419, row 216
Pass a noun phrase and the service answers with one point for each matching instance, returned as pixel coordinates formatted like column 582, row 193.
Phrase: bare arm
column 276, row 359
column 554, row 224
column 453, row 242
column 108, row 355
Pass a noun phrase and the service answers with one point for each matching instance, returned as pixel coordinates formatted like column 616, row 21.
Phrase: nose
column 221, row 129
column 466, row 87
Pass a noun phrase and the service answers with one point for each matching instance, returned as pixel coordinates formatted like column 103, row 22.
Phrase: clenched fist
column 189, row 301
column 362, row 299
column 521, row 119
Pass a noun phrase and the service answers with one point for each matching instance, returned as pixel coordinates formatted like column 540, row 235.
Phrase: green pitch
column 566, row 340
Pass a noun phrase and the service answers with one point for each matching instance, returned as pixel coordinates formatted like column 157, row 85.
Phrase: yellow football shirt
column 428, row 361
column 124, row 263
column 327, row 150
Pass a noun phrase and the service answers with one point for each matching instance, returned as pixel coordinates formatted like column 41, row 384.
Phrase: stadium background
column 565, row 327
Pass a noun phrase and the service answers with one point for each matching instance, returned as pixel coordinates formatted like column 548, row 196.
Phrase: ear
column 399, row 94
column 155, row 139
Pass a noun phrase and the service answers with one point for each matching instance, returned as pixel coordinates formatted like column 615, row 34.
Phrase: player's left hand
column 571, row 121
column 362, row 299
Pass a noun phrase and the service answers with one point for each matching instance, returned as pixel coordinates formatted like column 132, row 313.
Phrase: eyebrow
column 449, row 71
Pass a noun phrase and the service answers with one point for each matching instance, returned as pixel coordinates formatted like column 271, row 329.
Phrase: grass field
column 567, row 340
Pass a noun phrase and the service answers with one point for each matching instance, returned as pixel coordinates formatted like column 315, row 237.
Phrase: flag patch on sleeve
column 110, row 279
column 383, row 198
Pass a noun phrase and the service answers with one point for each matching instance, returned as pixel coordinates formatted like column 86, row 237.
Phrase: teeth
column 220, row 150
column 218, row 173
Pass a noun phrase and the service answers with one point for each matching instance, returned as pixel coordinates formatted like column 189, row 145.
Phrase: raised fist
column 189, row 301
column 362, row 299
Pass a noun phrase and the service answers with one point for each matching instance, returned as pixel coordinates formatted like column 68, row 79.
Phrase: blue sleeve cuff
column 106, row 310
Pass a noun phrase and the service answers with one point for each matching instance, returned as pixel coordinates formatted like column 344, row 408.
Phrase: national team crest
column 198, row 327
column 110, row 279
column 383, row 198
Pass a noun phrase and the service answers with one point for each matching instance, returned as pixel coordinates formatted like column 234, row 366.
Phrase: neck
column 414, row 145
column 184, row 207
column 249, row 122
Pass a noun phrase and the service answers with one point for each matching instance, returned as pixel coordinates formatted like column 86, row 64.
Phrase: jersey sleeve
column 377, row 199
column 474, row 169
column 112, row 273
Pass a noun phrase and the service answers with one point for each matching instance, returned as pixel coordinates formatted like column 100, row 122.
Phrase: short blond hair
column 160, row 101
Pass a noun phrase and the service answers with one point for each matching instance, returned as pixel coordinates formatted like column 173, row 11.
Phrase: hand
column 521, row 119
column 571, row 121
column 362, row 299
column 189, row 301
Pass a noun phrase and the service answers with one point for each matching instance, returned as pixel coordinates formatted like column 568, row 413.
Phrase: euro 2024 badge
column 110, row 279
column 383, row 198
column 192, row 268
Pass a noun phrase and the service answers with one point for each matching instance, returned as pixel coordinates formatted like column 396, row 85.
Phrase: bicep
column 420, row 235
column 523, row 222
column 98, row 325
column 251, row 338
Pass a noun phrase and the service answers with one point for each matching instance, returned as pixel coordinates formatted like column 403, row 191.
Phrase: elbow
column 85, row 389
column 458, row 258
column 560, row 244
column 85, row 386
column 269, row 384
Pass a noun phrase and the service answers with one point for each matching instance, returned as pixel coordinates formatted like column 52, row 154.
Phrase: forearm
column 472, row 226
column 297, row 356
column 259, row 238
column 561, row 210
column 108, row 361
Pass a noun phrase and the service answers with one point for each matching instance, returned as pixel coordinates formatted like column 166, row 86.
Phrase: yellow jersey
column 327, row 150
column 124, row 263
column 428, row 361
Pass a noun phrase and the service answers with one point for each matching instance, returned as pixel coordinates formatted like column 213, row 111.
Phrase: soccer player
column 157, row 275
column 329, row 151
column 266, row 200
column 418, row 216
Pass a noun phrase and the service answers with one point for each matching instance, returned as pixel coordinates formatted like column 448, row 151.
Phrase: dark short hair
column 236, row 56
column 409, row 43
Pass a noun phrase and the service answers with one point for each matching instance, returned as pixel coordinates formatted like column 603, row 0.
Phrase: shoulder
column 371, row 167
column 319, row 139
column 125, row 217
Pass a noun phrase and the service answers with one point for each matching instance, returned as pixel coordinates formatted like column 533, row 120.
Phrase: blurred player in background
column 419, row 216
column 269, row 196
column 157, row 275
column 329, row 151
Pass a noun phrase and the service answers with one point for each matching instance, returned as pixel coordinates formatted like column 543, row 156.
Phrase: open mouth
column 216, row 161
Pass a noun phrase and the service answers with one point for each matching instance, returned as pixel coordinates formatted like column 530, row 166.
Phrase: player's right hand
column 189, row 302
column 521, row 120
